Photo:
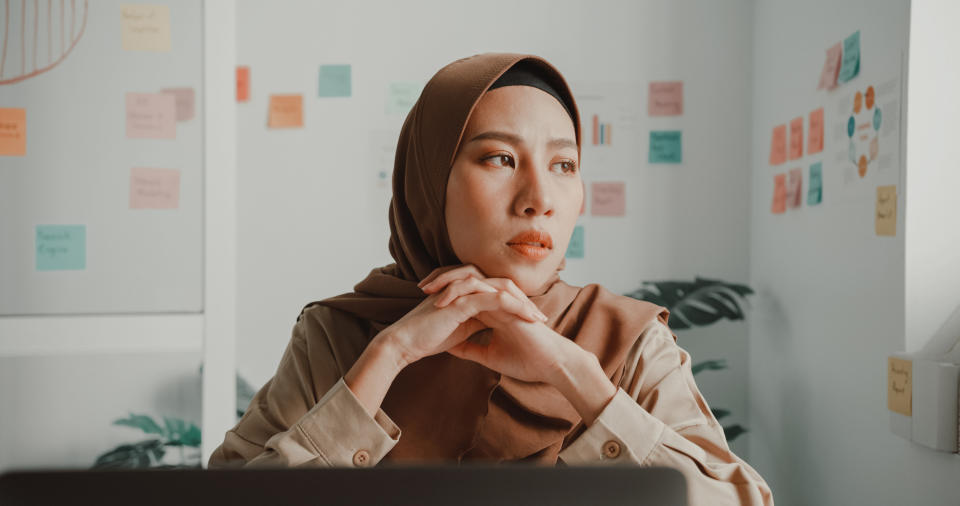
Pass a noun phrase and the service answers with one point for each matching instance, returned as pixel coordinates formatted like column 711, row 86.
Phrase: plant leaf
column 734, row 431
column 129, row 456
column 142, row 422
column 709, row 365
column 698, row 303
column 719, row 413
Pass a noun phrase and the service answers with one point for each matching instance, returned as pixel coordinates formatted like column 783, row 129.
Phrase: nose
column 534, row 194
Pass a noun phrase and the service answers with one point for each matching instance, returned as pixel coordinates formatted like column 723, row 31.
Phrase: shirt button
column 361, row 458
column 611, row 449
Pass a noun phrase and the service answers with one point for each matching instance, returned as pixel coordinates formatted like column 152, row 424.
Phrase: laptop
column 401, row 485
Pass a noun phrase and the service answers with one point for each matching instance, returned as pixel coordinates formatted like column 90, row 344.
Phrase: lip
column 538, row 251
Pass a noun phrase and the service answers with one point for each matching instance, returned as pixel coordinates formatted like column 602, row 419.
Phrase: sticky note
column 13, row 132
column 778, row 145
column 401, row 96
column 334, row 81
column 795, row 188
column 145, row 27
column 575, row 248
column 779, row 205
column 796, row 138
column 886, row 221
column 243, row 84
column 286, row 111
column 850, row 66
column 665, row 146
column 900, row 385
column 831, row 67
column 665, row 98
column 61, row 247
column 184, row 102
column 151, row 116
column 815, row 190
column 154, row 188
column 609, row 199
column 815, row 139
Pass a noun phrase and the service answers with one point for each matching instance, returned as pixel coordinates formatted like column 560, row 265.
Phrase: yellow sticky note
column 286, row 111
column 145, row 27
column 900, row 385
column 886, row 221
column 13, row 132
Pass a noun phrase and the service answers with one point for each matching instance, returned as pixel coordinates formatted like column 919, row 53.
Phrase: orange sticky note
column 286, row 111
column 795, row 188
column 815, row 141
column 243, row 84
column 13, row 132
column 796, row 138
column 779, row 205
column 609, row 199
column 665, row 98
column 778, row 145
column 154, row 188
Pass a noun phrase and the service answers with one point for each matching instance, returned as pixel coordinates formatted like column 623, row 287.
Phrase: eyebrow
column 557, row 142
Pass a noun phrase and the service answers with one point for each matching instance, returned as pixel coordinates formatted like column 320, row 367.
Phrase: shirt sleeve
column 287, row 426
column 658, row 417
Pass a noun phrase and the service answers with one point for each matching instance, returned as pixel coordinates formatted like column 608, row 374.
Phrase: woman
column 471, row 343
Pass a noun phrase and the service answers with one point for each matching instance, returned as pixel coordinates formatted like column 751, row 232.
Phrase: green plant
column 699, row 303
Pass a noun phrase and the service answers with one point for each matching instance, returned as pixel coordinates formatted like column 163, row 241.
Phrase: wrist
column 388, row 348
column 581, row 379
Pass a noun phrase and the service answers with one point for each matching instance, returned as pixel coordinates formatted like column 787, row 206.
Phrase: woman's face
column 516, row 171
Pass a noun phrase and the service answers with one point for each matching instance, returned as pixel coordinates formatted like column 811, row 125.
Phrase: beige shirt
column 657, row 418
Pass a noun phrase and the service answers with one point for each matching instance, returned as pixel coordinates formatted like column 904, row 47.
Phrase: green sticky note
column 851, row 58
column 61, row 247
column 665, row 146
column 401, row 96
column 815, row 192
column 575, row 248
column 334, row 81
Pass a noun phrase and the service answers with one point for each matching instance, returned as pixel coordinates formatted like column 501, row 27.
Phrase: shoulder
column 622, row 307
column 331, row 334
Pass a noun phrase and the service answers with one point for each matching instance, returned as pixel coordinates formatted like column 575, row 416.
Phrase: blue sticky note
column 815, row 193
column 575, row 248
column 61, row 247
column 334, row 81
column 401, row 97
column 665, row 146
column 851, row 58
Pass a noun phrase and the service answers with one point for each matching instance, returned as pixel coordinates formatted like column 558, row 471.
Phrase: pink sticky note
column 666, row 98
column 831, row 68
column 154, row 188
column 778, row 145
column 185, row 99
column 583, row 204
column 609, row 199
column 795, row 188
column 796, row 138
column 151, row 116
column 815, row 143
column 779, row 205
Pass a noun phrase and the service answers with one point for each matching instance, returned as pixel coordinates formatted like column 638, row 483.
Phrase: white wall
column 312, row 223
column 832, row 303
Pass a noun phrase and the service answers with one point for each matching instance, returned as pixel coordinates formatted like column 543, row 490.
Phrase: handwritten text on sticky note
column 795, row 188
column 401, row 96
column 184, row 102
column 243, row 84
column 666, row 146
column 815, row 191
column 609, row 199
column 151, row 116
column 831, row 67
column 779, row 204
column 886, row 219
column 154, row 188
column 286, row 111
column 815, row 132
column 796, row 138
column 850, row 65
column 778, row 145
column 334, row 81
column 13, row 132
column 145, row 27
column 61, row 247
column 665, row 98
column 900, row 385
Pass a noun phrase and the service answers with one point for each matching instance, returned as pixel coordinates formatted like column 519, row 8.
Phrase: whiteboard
column 66, row 64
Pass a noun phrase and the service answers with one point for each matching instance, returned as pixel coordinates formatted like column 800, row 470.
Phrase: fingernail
column 543, row 317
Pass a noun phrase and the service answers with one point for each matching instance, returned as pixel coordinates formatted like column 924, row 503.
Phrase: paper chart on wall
column 610, row 123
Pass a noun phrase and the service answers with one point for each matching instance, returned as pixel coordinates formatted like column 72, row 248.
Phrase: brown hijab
column 449, row 408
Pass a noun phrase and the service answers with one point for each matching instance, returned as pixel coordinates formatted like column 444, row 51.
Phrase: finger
column 434, row 273
column 462, row 272
column 462, row 287
column 510, row 286
column 472, row 304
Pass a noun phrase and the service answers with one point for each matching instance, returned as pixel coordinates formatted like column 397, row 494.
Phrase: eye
column 501, row 160
column 567, row 166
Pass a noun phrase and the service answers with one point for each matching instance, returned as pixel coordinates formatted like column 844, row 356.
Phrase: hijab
column 447, row 408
